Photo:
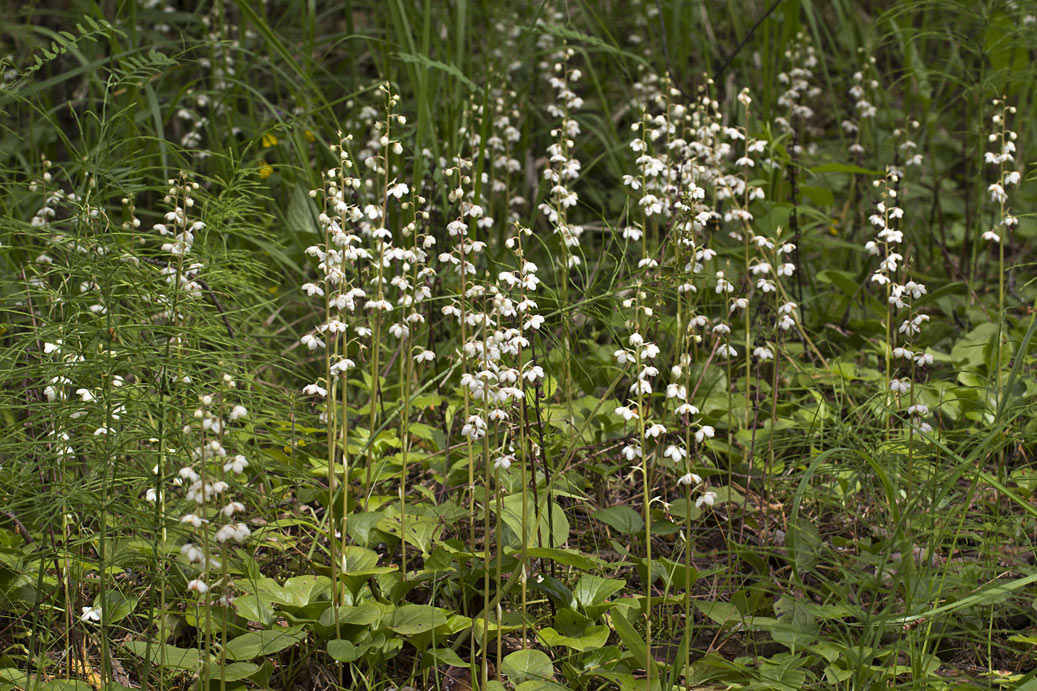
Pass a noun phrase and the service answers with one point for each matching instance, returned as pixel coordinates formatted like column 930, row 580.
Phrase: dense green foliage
column 449, row 345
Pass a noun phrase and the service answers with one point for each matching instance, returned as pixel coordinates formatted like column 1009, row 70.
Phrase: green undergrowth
column 451, row 345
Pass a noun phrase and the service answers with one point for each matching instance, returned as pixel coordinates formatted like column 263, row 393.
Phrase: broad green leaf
column 255, row 607
column 442, row 656
column 256, row 643
column 527, row 664
column 593, row 590
column 364, row 614
column 719, row 611
column 168, row 656
column 302, row 590
column 621, row 518
column 301, row 216
column 235, row 671
column 410, row 620
column 512, row 518
column 345, row 651
column 119, row 606
column 627, row 633
column 591, row 639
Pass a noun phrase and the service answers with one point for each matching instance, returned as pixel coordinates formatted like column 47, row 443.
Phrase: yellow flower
column 309, row 136
column 265, row 171
column 269, row 140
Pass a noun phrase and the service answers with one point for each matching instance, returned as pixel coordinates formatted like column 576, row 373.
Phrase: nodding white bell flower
column 91, row 614
column 238, row 532
column 923, row 359
column 707, row 498
column 997, row 193
column 192, row 519
column 232, row 508
column 236, row 465
column 686, row 409
column 763, row 353
column 423, row 355
column 900, row 386
column 703, row 433
column 641, row 386
column 623, row 357
column 192, row 553
column 655, row 431
column 677, row 391
column 534, row 322
column 340, row 367
column 503, row 462
column 725, row 350
column 533, row 373
column 237, row 413
column 475, row 428
column 315, row 390
column 632, row 451
column 677, row 453
column 689, row 479
column 649, row 351
column 626, row 413
column 312, row 289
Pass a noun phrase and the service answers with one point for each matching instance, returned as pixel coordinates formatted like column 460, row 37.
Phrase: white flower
column 641, row 386
column 763, row 353
column 199, row 586
column 686, row 409
column 655, row 430
column 534, row 322
column 704, row 432
column 504, row 462
column 626, row 413
column 677, row 453
column 707, row 498
column 312, row 289
column 424, row 356
column 236, row 465
column 475, row 428
column 315, row 390
column 631, row 451
column 689, row 479
column 237, row 412
column 193, row 520
column 725, row 350
column 91, row 614
column 533, row 373
column 676, row 391
column 232, row 508
column 192, row 553
column 997, row 193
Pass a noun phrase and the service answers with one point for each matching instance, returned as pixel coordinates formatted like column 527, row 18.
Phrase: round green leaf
column 523, row 665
